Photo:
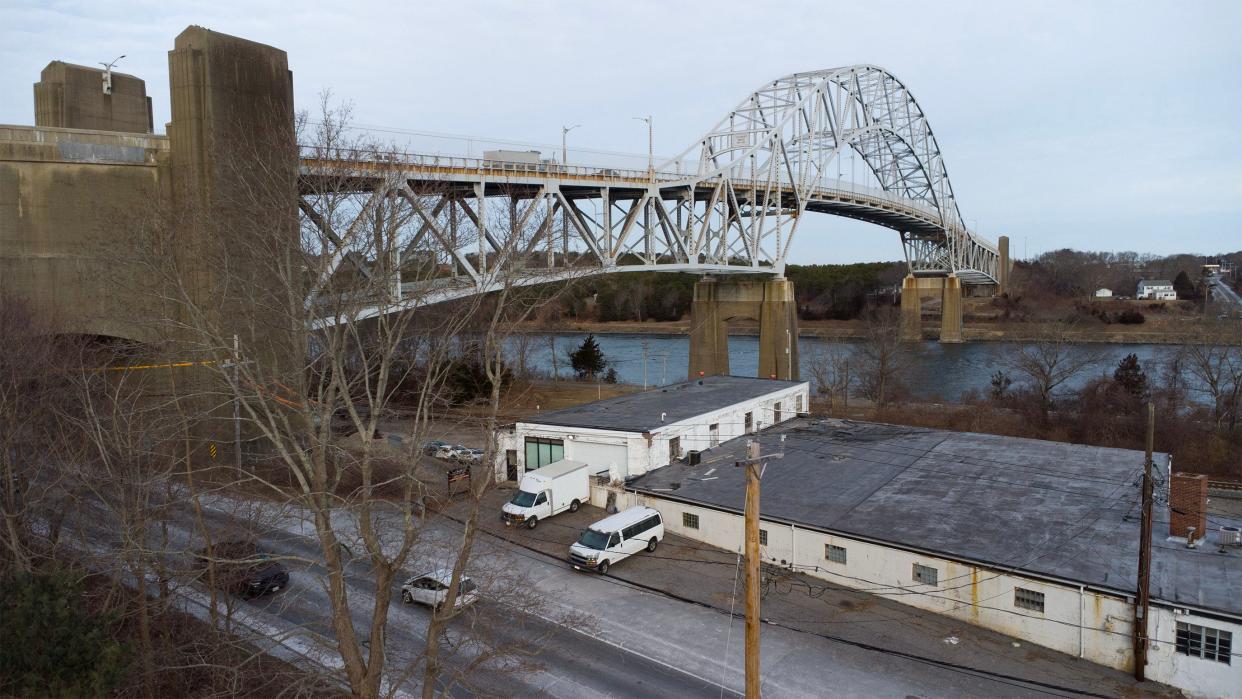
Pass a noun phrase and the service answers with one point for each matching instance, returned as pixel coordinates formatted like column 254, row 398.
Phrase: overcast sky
column 1093, row 125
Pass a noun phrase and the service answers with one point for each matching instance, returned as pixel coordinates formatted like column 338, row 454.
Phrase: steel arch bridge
column 730, row 203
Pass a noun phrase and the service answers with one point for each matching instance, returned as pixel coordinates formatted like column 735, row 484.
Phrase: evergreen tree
column 1000, row 384
column 1130, row 376
column 1184, row 287
column 588, row 360
column 53, row 646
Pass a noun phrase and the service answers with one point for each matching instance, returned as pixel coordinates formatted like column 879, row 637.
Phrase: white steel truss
column 731, row 203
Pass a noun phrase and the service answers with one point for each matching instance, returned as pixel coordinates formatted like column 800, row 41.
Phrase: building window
column 674, row 448
column 836, row 554
column 776, row 413
column 926, row 575
column 714, row 432
column 541, row 452
column 1028, row 599
column 1204, row 642
column 763, row 537
column 689, row 520
column 798, row 403
column 750, row 423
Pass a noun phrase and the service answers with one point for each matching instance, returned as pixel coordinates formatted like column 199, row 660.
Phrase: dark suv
column 242, row 569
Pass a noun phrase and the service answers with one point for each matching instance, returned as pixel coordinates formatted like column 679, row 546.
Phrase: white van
column 616, row 538
column 563, row 485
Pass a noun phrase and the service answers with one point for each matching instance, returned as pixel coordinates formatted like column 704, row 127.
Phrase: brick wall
column 1188, row 504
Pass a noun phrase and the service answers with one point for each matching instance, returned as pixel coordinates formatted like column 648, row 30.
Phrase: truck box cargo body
column 548, row 491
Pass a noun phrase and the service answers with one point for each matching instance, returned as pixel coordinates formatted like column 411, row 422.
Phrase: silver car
column 431, row 589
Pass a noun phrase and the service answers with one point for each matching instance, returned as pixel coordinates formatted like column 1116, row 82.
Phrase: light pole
column 564, row 150
column 107, row 77
column 650, row 146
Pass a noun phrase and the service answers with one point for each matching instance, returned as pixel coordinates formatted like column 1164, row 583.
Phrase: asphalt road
column 550, row 659
column 1223, row 293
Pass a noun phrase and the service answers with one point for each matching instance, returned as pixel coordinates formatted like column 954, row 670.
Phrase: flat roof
column 640, row 412
column 1065, row 511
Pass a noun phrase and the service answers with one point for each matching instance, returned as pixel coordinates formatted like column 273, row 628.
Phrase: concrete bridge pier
column 1002, row 275
column 914, row 290
column 771, row 303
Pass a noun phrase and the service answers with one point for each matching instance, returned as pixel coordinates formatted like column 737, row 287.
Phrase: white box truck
column 559, row 486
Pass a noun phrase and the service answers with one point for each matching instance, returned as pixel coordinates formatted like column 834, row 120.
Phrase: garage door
column 599, row 457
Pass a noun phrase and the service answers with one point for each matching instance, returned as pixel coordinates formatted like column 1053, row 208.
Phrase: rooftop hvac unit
column 1230, row 536
column 693, row 456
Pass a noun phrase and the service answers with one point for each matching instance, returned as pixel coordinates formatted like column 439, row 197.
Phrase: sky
column 1091, row 125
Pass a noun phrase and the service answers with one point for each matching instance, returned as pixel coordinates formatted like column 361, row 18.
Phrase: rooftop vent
column 1230, row 536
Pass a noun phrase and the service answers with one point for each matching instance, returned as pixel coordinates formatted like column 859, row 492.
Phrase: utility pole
column 754, row 465
column 237, row 452
column 1141, row 604
column 644, row 365
column 789, row 355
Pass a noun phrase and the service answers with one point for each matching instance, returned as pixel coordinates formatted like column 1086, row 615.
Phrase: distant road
column 1222, row 291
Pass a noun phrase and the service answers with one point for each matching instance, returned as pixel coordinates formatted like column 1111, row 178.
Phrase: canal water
column 933, row 371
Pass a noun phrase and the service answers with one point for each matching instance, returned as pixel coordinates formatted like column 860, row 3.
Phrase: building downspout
column 1081, row 619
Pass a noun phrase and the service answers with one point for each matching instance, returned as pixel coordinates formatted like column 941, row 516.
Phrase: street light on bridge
column 565, row 151
column 650, row 148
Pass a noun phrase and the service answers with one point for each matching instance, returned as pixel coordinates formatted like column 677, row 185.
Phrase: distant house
column 1158, row 289
column 1103, row 293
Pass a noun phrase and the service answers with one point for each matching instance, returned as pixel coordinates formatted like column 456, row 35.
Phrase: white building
column 629, row 435
column 1103, row 293
column 1037, row 540
column 1158, row 289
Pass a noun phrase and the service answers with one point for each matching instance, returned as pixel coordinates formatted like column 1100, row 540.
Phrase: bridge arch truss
column 730, row 203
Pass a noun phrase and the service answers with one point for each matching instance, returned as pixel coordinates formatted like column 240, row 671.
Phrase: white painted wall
column 1092, row 624
column 1199, row 677
column 625, row 454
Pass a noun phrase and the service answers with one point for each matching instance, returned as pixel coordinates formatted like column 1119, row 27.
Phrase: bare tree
column 314, row 335
column 830, row 370
column 1052, row 360
column 880, row 367
column 27, row 425
column 1215, row 364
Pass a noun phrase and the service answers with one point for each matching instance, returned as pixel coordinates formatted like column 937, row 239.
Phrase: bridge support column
column 778, row 331
column 232, row 149
column 1002, row 274
column 911, row 310
column 772, row 303
column 709, row 332
column 951, row 310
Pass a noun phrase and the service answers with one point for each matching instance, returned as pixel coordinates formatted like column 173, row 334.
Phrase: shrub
column 1130, row 317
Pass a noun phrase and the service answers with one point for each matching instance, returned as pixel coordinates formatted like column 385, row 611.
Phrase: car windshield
column 523, row 499
column 594, row 540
